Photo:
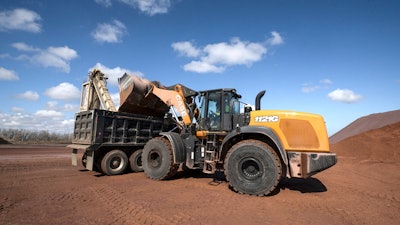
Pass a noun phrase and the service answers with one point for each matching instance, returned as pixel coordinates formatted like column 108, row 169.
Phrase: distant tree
column 22, row 136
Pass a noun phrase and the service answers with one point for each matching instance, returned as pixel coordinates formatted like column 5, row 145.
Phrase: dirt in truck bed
column 38, row 185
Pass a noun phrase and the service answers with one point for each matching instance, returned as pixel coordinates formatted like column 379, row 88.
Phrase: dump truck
column 111, row 141
column 211, row 131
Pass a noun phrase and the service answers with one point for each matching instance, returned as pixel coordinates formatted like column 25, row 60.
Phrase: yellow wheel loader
column 212, row 131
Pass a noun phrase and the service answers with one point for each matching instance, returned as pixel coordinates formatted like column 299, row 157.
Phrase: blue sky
column 340, row 59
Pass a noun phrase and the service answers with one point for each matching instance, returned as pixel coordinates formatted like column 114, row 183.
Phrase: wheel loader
column 209, row 130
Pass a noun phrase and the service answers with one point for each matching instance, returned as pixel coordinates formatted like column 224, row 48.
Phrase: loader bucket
column 135, row 97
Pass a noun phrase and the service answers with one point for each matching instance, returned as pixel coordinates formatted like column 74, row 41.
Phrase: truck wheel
column 157, row 159
column 135, row 161
column 252, row 167
column 114, row 162
column 84, row 159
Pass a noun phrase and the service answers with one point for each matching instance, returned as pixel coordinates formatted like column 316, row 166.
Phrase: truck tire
column 157, row 159
column 252, row 167
column 84, row 159
column 114, row 163
column 135, row 161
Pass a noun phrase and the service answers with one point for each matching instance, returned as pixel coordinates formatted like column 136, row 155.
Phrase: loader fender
column 178, row 146
column 262, row 133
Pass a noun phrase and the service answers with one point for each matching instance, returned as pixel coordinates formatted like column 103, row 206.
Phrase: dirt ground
column 38, row 185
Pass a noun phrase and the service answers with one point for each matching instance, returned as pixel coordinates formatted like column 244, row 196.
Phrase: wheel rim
column 250, row 168
column 139, row 161
column 116, row 163
column 155, row 159
column 84, row 159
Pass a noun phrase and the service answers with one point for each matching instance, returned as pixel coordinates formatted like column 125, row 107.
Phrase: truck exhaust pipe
column 258, row 99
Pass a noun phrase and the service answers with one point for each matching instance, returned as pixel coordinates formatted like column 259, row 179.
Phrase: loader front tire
column 114, row 162
column 252, row 167
column 157, row 159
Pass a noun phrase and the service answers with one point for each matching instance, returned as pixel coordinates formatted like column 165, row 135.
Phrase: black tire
column 84, row 159
column 157, row 159
column 252, row 167
column 135, row 161
column 114, row 163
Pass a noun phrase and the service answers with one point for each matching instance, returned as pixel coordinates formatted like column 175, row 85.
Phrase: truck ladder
column 102, row 91
column 95, row 93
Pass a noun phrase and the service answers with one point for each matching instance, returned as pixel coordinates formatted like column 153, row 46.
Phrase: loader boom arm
column 175, row 100
column 141, row 96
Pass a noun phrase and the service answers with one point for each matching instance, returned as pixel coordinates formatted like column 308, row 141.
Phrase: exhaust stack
column 258, row 99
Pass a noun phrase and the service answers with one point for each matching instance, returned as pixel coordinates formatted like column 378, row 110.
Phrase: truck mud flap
column 89, row 155
column 303, row 164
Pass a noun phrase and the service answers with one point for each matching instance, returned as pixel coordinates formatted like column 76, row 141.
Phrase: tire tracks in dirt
column 124, row 211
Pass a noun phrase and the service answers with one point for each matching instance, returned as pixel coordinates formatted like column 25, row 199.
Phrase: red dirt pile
column 382, row 144
column 365, row 124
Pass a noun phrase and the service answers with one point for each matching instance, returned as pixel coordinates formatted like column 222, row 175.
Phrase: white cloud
column 344, row 95
column 109, row 32
column 20, row 19
column 310, row 87
column 53, row 105
column 186, row 48
column 17, row 109
column 63, row 52
column 57, row 57
column 48, row 113
column 276, row 39
column 114, row 73
column 116, row 99
column 105, row 3
column 6, row 74
column 68, row 123
column 234, row 53
column 215, row 58
column 203, row 67
column 10, row 124
column 50, row 120
column 326, row 81
column 70, row 107
column 29, row 95
column 47, row 59
column 150, row 7
column 24, row 47
column 63, row 91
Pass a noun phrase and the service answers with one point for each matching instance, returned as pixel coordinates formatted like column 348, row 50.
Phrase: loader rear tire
column 135, row 161
column 157, row 159
column 114, row 162
column 252, row 167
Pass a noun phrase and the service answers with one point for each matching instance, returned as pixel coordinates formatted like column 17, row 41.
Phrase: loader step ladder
column 210, row 166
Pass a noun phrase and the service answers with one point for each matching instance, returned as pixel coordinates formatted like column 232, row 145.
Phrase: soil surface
column 38, row 185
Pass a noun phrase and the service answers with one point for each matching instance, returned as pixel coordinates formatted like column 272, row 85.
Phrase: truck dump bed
column 97, row 128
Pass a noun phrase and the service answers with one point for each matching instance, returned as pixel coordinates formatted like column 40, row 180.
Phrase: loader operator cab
column 218, row 109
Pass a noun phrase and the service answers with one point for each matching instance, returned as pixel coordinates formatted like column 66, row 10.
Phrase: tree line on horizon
column 22, row 136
